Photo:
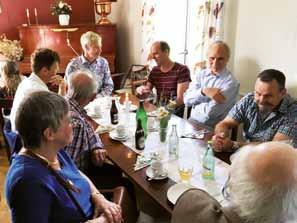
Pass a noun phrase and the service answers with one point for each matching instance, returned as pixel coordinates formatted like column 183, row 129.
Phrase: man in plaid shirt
column 268, row 114
column 86, row 148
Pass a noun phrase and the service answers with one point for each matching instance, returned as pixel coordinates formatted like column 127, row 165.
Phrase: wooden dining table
column 125, row 158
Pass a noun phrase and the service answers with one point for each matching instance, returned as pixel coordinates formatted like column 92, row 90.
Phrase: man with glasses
column 267, row 114
column 215, row 90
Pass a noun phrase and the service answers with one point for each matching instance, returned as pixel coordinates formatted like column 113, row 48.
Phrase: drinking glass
column 185, row 169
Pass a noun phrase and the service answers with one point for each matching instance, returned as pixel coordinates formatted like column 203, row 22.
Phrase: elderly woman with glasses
column 43, row 184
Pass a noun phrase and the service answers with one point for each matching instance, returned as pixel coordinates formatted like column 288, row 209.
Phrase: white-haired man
column 91, row 60
column 261, row 189
column 215, row 90
column 86, row 148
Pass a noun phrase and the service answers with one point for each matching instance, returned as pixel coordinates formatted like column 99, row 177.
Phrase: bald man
column 262, row 188
column 86, row 148
column 171, row 79
column 215, row 90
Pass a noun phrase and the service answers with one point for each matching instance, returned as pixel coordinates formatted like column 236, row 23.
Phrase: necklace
column 55, row 164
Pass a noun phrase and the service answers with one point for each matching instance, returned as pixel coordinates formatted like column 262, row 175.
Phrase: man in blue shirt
column 92, row 61
column 215, row 90
column 268, row 114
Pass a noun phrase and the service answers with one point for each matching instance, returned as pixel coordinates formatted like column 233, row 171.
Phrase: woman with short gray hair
column 43, row 184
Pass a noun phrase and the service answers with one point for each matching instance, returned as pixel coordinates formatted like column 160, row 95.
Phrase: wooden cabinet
column 56, row 38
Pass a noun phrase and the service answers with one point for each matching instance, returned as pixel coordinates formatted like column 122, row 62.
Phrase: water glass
column 185, row 169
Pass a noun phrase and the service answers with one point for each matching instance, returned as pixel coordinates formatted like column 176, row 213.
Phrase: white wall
column 126, row 14
column 262, row 34
column 266, row 37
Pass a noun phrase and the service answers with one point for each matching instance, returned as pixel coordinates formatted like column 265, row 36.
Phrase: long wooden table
column 125, row 159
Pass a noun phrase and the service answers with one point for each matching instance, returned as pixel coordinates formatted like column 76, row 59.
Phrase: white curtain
column 167, row 20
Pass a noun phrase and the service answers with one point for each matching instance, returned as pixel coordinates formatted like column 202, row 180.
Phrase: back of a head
column 272, row 74
column 81, row 85
column 43, row 57
column 262, row 183
column 10, row 76
column 38, row 111
column 90, row 37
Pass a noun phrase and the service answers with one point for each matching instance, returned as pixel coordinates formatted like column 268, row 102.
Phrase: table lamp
column 103, row 8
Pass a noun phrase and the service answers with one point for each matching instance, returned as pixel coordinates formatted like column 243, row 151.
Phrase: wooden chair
column 118, row 80
column 135, row 76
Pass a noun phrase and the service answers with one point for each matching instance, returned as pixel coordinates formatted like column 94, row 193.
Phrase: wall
column 261, row 34
column 126, row 14
column 265, row 37
column 14, row 14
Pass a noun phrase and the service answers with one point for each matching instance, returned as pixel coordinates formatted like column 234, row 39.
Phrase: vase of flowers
column 163, row 116
column 63, row 11
column 10, row 49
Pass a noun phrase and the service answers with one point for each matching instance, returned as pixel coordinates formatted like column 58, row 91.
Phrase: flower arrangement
column 61, row 7
column 10, row 49
column 163, row 115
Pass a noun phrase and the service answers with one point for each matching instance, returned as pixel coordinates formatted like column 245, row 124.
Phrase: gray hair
column 260, row 203
column 79, row 89
column 37, row 112
column 90, row 37
column 223, row 45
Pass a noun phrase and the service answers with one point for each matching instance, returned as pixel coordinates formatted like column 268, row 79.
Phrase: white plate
column 176, row 190
column 149, row 173
column 114, row 136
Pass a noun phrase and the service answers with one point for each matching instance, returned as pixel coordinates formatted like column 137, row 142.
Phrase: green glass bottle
column 141, row 114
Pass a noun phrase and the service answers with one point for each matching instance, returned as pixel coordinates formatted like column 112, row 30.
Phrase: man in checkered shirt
column 267, row 114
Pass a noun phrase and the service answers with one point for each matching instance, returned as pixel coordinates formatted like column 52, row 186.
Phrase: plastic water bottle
column 208, row 163
column 173, row 143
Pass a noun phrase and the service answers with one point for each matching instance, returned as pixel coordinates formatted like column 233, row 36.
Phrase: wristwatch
column 235, row 146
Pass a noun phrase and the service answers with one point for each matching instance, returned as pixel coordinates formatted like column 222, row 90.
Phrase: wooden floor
column 4, row 211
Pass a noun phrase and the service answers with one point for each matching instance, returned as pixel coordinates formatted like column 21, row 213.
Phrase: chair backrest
column 136, row 73
column 118, row 80
column 12, row 140
column 5, row 105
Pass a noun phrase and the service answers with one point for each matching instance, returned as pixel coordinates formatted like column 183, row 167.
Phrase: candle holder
column 103, row 8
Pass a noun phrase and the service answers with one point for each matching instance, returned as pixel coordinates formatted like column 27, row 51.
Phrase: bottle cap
column 209, row 142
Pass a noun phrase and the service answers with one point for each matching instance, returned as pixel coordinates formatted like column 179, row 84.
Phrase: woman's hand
column 101, row 219
column 111, row 211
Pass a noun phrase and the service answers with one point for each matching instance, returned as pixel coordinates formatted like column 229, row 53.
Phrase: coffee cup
column 121, row 131
column 157, row 168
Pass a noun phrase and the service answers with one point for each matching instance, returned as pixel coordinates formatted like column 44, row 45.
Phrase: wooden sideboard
column 55, row 37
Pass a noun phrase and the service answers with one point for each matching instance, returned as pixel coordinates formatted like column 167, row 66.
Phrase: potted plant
column 63, row 11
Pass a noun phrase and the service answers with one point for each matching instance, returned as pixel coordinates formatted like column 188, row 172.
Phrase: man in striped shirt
column 170, row 78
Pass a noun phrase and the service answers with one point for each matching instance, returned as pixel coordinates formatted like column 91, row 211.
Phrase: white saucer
column 176, row 190
column 149, row 173
column 113, row 134
column 94, row 115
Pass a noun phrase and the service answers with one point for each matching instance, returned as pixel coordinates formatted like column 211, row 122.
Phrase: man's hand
column 143, row 91
column 98, row 156
column 59, row 81
column 221, row 143
column 215, row 94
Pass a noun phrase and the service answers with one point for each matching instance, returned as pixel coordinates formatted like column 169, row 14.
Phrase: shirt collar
column 85, row 61
column 36, row 78
column 77, row 107
column 224, row 72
